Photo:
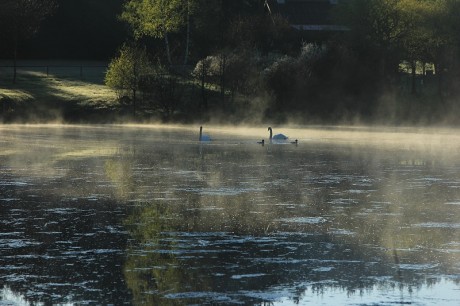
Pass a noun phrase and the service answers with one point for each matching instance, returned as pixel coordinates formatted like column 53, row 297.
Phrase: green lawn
column 56, row 91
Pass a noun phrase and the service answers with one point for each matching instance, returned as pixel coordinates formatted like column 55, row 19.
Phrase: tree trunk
column 382, row 70
column 438, row 70
column 168, row 51
column 187, row 42
column 15, row 58
column 203, row 83
column 134, row 103
column 413, row 70
column 222, row 78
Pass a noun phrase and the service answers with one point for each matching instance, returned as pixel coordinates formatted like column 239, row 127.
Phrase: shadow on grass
column 37, row 97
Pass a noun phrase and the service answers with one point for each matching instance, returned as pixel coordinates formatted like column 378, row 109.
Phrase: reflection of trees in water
column 227, row 219
column 152, row 269
column 286, row 219
column 119, row 174
column 174, row 257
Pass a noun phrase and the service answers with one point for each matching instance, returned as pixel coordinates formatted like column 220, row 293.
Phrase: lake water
column 146, row 215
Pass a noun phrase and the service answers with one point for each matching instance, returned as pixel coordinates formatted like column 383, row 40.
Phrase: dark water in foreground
column 147, row 216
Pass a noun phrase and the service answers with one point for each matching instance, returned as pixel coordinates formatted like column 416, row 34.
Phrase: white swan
column 204, row 137
column 280, row 138
column 277, row 137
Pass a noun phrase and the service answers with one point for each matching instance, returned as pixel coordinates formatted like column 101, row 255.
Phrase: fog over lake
column 148, row 215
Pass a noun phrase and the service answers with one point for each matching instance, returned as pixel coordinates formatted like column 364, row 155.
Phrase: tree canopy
column 155, row 17
column 241, row 55
column 20, row 19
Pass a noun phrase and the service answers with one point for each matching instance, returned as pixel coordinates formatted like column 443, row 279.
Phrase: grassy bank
column 63, row 91
column 74, row 92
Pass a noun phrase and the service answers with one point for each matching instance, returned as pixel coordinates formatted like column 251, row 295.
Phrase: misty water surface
column 148, row 215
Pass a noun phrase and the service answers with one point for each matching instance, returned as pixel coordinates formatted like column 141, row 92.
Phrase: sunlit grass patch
column 68, row 89
column 15, row 94
column 87, row 93
column 37, row 85
column 51, row 91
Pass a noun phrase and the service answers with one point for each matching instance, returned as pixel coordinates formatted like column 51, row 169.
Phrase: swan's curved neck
column 271, row 132
column 201, row 132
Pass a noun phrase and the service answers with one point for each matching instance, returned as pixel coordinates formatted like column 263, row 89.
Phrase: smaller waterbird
column 262, row 142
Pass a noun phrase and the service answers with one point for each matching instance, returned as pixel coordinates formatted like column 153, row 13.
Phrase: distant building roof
column 308, row 15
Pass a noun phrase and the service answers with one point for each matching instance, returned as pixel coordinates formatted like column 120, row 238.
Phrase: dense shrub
column 126, row 70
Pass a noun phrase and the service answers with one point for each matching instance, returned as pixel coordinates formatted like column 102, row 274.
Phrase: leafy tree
column 158, row 19
column 295, row 81
column 376, row 28
column 20, row 19
column 418, row 38
column 126, row 70
column 261, row 32
column 202, row 73
column 164, row 93
column 210, row 23
column 213, row 20
column 444, row 25
column 452, row 11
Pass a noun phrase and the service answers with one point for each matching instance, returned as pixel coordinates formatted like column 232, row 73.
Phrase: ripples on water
column 146, row 215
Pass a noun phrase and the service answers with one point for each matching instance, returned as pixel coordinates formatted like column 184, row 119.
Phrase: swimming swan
column 204, row 137
column 280, row 138
column 277, row 137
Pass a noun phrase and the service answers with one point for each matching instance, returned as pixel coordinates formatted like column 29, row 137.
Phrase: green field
column 56, row 91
